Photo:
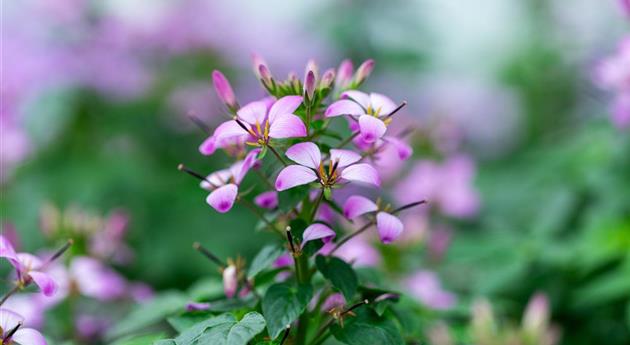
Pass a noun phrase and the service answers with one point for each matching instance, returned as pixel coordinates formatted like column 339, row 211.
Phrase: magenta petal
column 45, row 282
column 95, row 279
column 223, row 89
column 362, row 172
column 28, row 336
column 197, row 306
column 283, row 106
column 240, row 169
column 371, row 128
column 306, row 154
column 209, row 146
column 7, row 251
column 286, row 126
column 381, row 104
column 357, row 205
column 253, row 112
column 294, row 175
column 268, row 200
column 402, row 148
column 345, row 157
column 344, row 107
column 222, row 199
column 360, row 97
column 228, row 129
column 317, row 231
column 389, row 227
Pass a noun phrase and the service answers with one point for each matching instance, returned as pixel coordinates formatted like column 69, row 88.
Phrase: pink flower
column 364, row 71
column 224, row 90
column 359, row 252
column 334, row 301
column 625, row 6
column 258, row 122
column 230, row 281
column 621, row 110
column 426, row 287
column 197, row 306
column 12, row 331
column 30, row 306
column 93, row 279
column 389, row 226
column 90, row 327
column 268, row 200
column 28, row 268
column 344, row 74
column 342, row 165
column 371, row 111
column 317, row 231
column 223, row 184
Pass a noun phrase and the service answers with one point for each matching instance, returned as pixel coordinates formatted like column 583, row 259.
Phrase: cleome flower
column 28, row 268
column 342, row 165
column 12, row 332
column 372, row 111
column 257, row 123
column 223, row 184
column 389, row 226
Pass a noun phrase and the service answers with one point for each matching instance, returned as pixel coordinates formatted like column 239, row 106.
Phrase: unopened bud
column 224, row 90
column 536, row 316
column 230, row 281
column 327, row 79
column 344, row 73
column 364, row 71
column 257, row 60
column 265, row 75
column 309, row 85
column 311, row 66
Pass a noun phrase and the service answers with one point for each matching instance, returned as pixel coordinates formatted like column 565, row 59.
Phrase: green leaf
column 150, row 313
column 264, row 259
column 283, row 303
column 223, row 330
column 140, row 340
column 164, row 342
column 291, row 197
column 367, row 328
column 183, row 322
column 339, row 273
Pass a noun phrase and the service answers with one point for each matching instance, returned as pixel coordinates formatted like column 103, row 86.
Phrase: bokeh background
column 96, row 97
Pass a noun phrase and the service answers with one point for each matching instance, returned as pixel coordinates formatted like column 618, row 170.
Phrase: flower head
column 342, row 165
column 426, row 287
column 389, row 226
column 224, row 90
column 12, row 332
column 28, row 268
column 268, row 200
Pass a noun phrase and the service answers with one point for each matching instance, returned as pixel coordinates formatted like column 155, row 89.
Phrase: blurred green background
column 516, row 76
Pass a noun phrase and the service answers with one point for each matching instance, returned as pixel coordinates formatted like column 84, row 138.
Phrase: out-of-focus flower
column 613, row 73
column 268, row 200
column 224, row 90
column 359, row 252
column 536, row 316
column 484, row 329
column 28, row 305
column 108, row 242
column 230, row 281
column 439, row 335
column 317, row 231
column 197, row 306
column 13, row 332
column 344, row 75
column 342, row 165
column 223, row 184
column 448, row 185
column 14, row 146
column 141, row 292
column 93, row 279
column 258, row 122
column 363, row 72
column 28, row 268
column 426, row 287
column 439, row 240
column 91, row 326
column 373, row 112
column 625, row 6
column 334, row 301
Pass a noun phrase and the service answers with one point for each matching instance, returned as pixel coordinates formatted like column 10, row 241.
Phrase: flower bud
column 536, row 316
column 309, row 85
column 344, row 74
column 224, row 90
column 230, row 281
column 364, row 71
column 311, row 66
column 265, row 75
column 327, row 79
column 257, row 60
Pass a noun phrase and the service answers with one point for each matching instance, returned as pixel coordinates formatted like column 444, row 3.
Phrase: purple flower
column 91, row 326
column 389, row 226
column 258, row 122
column 613, row 74
column 28, row 268
column 344, row 74
column 625, row 6
column 223, row 184
column 283, row 260
column 342, row 165
column 30, row 305
column 364, row 71
column 197, row 306
column 317, row 231
column 224, row 90
column 426, row 287
column 11, row 322
column 268, row 200
column 359, row 252
column 93, row 279
column 230, row 281
column 334, row 301
column 371, row 111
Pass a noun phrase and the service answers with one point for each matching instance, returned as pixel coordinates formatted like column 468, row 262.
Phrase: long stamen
column 182, row 167
column 61, row 250
column 247, row 129
column 402, row 105
column 10, row 333
column 198, row 247
column 197, row 121
column 290, row 239
column 286, row 334
column 413, row 204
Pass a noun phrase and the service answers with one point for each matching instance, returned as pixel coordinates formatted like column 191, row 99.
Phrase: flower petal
column 345, row 157
column 362, row 172
column 7, row 251
column 287, row 126
column 240, row 169
column 402, row 148
column 360, row 97
column 317, row 231
column 283, row 106
column 357, row 205
column 228, row 129
column 28, row 336
column 344, row 107
column 44, row 281
column 9, row 319
column 95, row 279
column 223, row 88
column 216, row 179
column 268, row 200
column 209, row 146
column 222, row 199
column 306, row 154
column 389, row 227
column 230, row 281
column 371, row 128
column 381, row 104
column 253, row 112
column 294, row 175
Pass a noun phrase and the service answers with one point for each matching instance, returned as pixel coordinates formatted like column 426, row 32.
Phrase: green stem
column 275, row 153
column 308, row 120
column 316, row 206
column 348, row 140
column 15, row 289
column 352, row 235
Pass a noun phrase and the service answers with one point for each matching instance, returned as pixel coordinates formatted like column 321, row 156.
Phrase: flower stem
column 275, row 153
column 347, row 140
column 351, row 236
column 15, row 289
column 257, row 213
column 316, row 206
